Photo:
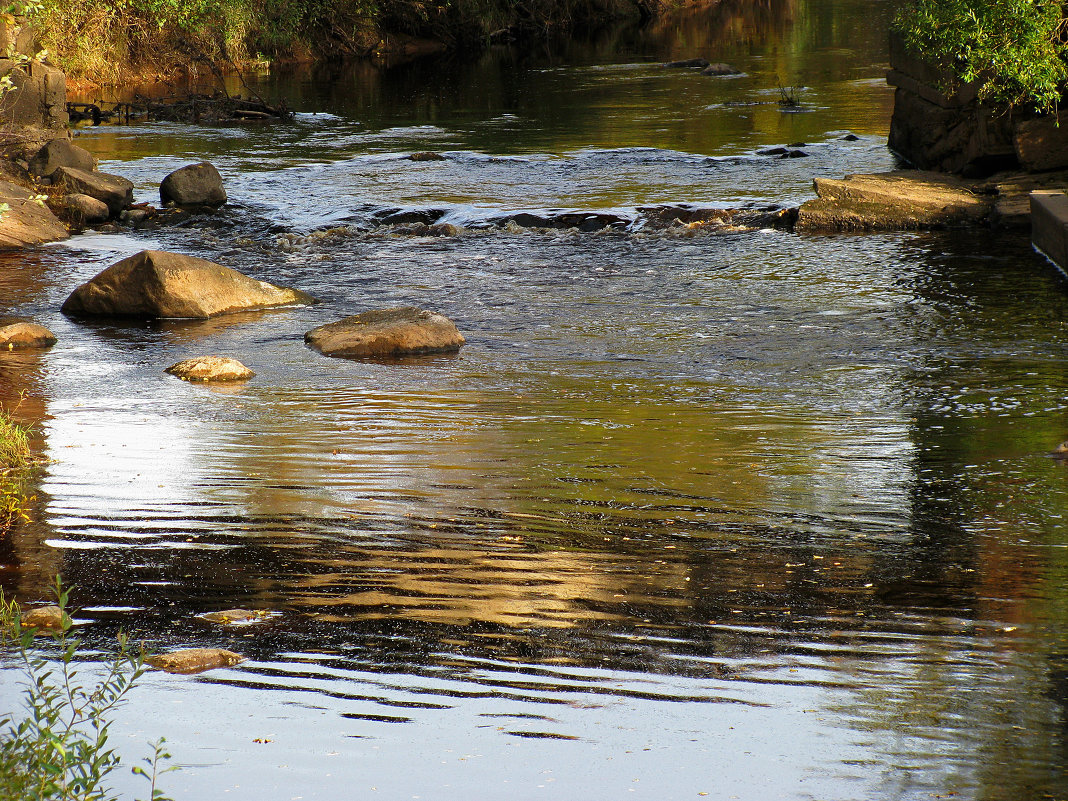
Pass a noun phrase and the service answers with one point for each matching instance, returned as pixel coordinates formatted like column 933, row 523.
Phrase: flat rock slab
column 16, row 334
column 235, row 617
column 194, row 660
column 386, row 333
column 114, row 190
column 902, row 200
column 157, row 284
column 46, row 619
column 26, row 222
column 210, row 368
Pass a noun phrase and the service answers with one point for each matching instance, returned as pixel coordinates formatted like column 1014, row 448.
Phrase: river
column 698, row 511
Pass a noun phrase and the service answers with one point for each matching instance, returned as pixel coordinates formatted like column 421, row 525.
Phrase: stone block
column 1049, row 225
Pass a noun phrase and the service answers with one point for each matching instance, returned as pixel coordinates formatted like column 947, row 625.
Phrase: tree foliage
column 1013, row 50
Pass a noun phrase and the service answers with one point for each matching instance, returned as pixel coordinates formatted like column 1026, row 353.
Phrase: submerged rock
column 193, row 186
column 194, row 660
column 157, row 284
column 210, row 368
column 60, row 153
column 720, row 68
column 386, row 333
column 235, row 616
column 16, row 333
column 689, row 62
column 114, row 190
column 45, row 619
column 426, row 155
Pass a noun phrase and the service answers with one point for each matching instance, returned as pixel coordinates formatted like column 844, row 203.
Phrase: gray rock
column 114, row 190
column 210, row 368
column 157, row 284
column 386, row 333
column 60, row 153
column 193, row 186
column 16, row 333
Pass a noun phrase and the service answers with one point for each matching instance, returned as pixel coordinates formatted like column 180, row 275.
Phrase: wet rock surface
column 194, row 660
column 17, row 333
column 229, row 617
column 210, row 368
column 386, row 333
column 157, row 284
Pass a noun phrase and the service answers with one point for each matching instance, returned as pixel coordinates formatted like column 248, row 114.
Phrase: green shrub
column 1014, row 50
column 57, row 750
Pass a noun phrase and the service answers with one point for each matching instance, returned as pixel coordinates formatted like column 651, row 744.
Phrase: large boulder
column 61, row 153
column 26, row 221
column 210, row 368
column 16, row 333
column 193, row 186
column 155, row 284
column 79, row 210
column 114, row 190
column 386, row 333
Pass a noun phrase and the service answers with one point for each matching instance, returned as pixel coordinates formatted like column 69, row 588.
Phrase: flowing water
column 698, row 511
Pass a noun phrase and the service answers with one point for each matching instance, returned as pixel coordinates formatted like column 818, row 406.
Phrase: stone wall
column 933, row 130
column 35, row 110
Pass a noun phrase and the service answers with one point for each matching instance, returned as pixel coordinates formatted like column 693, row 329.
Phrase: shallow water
column 696, row 511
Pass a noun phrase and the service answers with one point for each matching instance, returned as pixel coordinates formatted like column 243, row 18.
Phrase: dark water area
column 699, row 511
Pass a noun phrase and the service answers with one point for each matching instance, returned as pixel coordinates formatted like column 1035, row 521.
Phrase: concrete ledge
column 1049, row 226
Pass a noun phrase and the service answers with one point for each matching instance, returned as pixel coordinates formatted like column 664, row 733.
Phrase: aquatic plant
column 58, row 750
column 1014, row 51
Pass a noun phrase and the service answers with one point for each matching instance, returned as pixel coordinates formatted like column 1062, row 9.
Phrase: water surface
column 697, row 511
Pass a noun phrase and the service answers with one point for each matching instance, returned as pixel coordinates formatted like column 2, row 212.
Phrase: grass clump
column 56, row 747
column 15, row 460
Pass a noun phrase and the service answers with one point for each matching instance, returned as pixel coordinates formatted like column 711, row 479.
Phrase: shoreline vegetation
column 108, row 42
column 15, row 460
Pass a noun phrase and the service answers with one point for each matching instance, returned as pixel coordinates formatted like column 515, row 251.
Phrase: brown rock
column 45, row 619
column 156, row 284
column 114, row 190
column 194, row 660
column 386, row 333
column 16, row 334
column 720, row 68
column 26, row 222
column 426, row 155
column 85, row 210
column 210, row 368
column 1041, row 144
column 907, row 199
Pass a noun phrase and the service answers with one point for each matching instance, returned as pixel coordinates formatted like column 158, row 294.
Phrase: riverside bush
column 56, row 748
column 1014, row 50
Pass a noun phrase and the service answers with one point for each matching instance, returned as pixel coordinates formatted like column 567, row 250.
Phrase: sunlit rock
column 426, row 155
column 192, row 186
column 45, row 619
column 210, row 368
column 79, row 209
column 386, row 333
column 16, row 333
column 26, row 221
column 194, row 660
column 114, row 190
column 157, row 284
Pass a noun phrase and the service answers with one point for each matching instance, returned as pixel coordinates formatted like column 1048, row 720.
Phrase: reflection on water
column 695, row 511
